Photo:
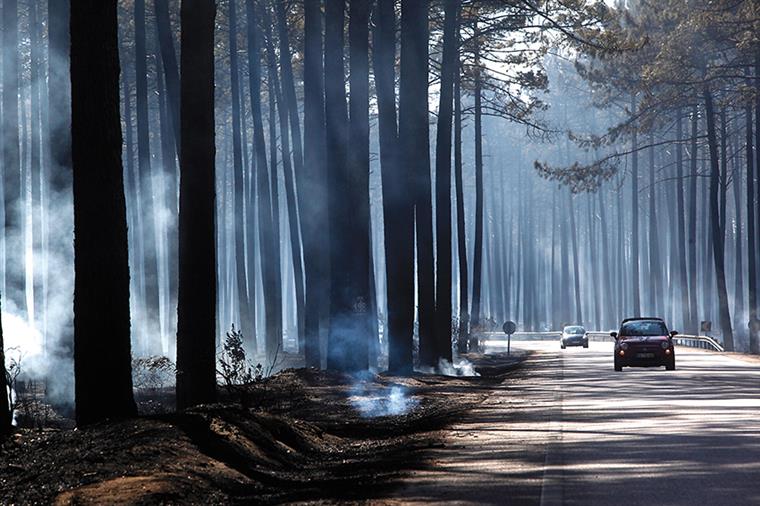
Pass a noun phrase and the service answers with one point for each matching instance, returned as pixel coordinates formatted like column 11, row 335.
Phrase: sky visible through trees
column 364, row 184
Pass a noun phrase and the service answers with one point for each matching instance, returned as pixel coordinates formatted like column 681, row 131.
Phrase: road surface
column 571, row 431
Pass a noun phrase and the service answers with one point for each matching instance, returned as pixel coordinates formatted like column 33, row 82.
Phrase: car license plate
column 645, row 355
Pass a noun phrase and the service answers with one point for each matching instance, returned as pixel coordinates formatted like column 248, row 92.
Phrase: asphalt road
column 570, row 431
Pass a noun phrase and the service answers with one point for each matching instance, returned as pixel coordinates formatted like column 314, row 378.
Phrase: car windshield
column 643, row 328
column 574, row 330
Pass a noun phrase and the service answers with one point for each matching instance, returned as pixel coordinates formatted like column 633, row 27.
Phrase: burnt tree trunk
column 169, row 62
column 683, row 281
column 417, row 157
column 293, row 182
column 477, row 257
column 754, row 343
column 269, row 267
column 58, row 139
column 171, row 129
column 13, row 285
column 341, row 330
column 196, row 307
column 655, row 270
column 397, row 214
column 274, row 339
column 464, row 289
column 443, row 309
column 608, row 298
column 290, row 188
column 715, row 229
column 313, row 192
column 102, row 346
column 38, row 280
column 246, row 309
column 358, row 183
column 692, row 232
column 397, row 170
column 635, row 219
column 576, row 261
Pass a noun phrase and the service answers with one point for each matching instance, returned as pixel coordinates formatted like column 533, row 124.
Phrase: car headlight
column 623, row 346
column 665, row 345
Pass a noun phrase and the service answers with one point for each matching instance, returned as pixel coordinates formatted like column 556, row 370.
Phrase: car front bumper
column 644, row 357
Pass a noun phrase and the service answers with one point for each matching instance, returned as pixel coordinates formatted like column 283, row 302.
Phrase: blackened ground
column 297, row 436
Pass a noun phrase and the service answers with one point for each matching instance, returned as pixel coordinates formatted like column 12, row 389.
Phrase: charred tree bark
column 756, row 235
column 717, row 235
column 754, row 343
column 269, row 265
column 341, row 330
column 609, row 310
column 683, row 281
column 169, row 62
column 313, row 192
column 477, row 257
column 102, row 349
column 443, row 310
column 723, row 181
column 358, row 182
column 36, row 78
column 58, row 139
column 655, row 270
column 171, row 128
column 417, row 157
column 293, row 184
column 246, row 323
column 132, row 185
column 59, row 96
column 6, row 416
column 738, row 243
column 397, row 170
column 464, row 278
column 196, row 322
column 554, row 285
column 576, row 269
column 168, row 192
column 290, row 187
column 635, row 282
column 692, row 232
column 13, row 274
column 595, row 293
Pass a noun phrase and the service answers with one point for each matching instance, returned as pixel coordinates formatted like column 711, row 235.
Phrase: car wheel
column 585, row 345
column 618, row 366
column 671, row 366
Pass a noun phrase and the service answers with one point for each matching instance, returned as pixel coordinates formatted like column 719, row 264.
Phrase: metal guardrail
column 702, row 342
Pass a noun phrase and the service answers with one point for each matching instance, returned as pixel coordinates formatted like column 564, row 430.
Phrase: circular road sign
column 509, row 327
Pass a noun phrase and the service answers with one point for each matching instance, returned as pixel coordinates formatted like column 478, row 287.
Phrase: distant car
column 573, row 335
column 644, row 342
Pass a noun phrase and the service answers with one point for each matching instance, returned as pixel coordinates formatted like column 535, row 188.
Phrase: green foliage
column 650, row 61
column 236, row 371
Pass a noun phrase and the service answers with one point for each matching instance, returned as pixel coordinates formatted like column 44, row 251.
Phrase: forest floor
column 302, row 435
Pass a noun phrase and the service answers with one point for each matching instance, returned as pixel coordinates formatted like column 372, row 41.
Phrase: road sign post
column 509, row 328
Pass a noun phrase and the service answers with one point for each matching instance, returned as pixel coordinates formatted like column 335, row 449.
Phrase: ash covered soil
column 302, row 435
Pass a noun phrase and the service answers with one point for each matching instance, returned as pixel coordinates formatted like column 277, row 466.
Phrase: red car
column 644, row 342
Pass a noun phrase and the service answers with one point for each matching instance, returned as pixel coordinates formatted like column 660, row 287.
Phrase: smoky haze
column 588, row 215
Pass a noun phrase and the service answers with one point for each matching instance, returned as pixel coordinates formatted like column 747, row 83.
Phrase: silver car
column 573, row 335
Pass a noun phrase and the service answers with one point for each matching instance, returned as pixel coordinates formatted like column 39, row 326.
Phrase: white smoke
column 372, row 400
column 388, row 402
column 461, row 367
